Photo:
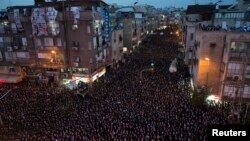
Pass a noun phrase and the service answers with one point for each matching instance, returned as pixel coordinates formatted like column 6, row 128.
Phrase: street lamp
column 53, row 52
column 53, row 56
column 208, row 60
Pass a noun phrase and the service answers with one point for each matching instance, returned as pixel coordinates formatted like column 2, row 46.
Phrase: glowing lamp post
column 53, row 56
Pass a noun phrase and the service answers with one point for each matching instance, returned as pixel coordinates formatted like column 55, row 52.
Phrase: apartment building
column 116, row 49
column 195, row 15
column 60, row 38
column 126, row 20
column 218, row 58
column 218, row 54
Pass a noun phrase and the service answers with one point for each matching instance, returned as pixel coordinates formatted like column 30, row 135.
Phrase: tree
column 199, row 98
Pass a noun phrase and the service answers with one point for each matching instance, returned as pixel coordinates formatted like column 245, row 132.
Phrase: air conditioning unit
column 15, row 47
column 77, row 59
column 75, row 48
column 76, row 64
column 9, row 49
column 24, row 48
column 237, row 77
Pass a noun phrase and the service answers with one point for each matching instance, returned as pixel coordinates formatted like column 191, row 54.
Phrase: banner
column 106, row 21
column 76, row 13
column 17, row 20
column 51, row 13
column 39, row 26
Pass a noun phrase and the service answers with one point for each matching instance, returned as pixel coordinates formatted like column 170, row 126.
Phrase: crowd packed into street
column 122, row 106
column 245, row 28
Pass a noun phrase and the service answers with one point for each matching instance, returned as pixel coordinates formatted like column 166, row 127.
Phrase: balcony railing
column 238, row 56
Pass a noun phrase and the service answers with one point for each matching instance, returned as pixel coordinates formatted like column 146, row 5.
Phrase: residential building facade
column 217, row 51
column 62, row 38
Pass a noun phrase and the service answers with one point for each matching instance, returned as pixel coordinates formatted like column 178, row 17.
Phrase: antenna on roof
column 220, row 1
column 9, row 2
column 196, row 2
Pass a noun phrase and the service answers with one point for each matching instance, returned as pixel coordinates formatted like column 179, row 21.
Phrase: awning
column 7, row 78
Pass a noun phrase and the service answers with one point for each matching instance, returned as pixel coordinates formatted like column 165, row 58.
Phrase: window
column 248, row 70
column 89, row 46
column 218, row 15
column 9, row 55
column 229, row 91
column 120, row 38
column 77, row 59
column 23, row 55
column 44, row 55
column 24, row 41
column 247, row 90
column 233, row 69
column 17, row 41
column 1, row 28
column 13, row 28
column 212, row 44
column 12, row 69
column 237, row 46
column 94, row 42
column 7, row 39
column 48, row 42
column 90, row 60
column 38, row 42
column 75, row 43
column 1, row 42
column 88, row 29
column 242, row 15
column 1, row 56
column 191, row 36
column 74, row 27
column 53, row 28
column 59, row 42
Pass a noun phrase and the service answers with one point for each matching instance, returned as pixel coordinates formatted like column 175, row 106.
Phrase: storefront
column 76, row 78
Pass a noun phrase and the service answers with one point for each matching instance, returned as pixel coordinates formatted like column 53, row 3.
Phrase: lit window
column 54, row 28
column 88, row 29
column 74, row 27
column 212, row 44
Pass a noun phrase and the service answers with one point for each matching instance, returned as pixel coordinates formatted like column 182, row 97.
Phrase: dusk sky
column 156, row 3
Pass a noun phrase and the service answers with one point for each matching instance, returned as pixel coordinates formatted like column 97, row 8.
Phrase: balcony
column 238, row 56
column 86, row 15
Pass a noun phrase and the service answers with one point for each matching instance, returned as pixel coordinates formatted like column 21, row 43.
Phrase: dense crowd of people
column 244, row 28
column 122, row 106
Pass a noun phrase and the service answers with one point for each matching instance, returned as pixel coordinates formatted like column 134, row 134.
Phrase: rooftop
column 200, row 9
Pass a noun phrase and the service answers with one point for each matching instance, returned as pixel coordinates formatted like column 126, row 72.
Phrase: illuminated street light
column 53, row 52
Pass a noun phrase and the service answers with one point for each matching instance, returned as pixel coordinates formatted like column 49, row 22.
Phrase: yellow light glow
column 207, row 59
column 53, row 52
column 213, row 98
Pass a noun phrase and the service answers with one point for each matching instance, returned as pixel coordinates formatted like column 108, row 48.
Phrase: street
column 155, row 106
